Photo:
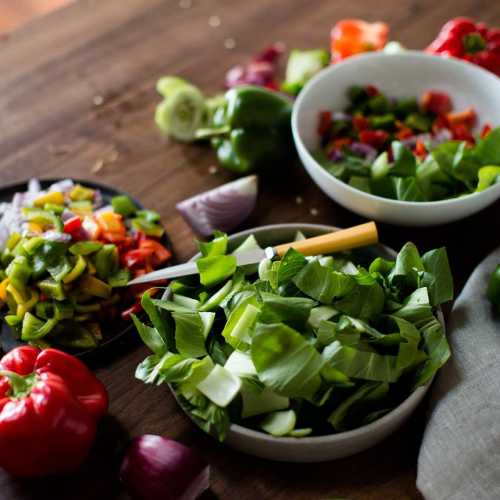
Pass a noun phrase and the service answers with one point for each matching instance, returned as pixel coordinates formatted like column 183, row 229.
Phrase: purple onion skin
column 222, row 208
column 157, row 468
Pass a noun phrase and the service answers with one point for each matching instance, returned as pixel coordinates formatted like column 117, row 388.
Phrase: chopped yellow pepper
column 3, row 289
column 80, row 193
column 35, row 227
column 23, row 308
column 54, row 197
column 77, row 270
column 18, row 295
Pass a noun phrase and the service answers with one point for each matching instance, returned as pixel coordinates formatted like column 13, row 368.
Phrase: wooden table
column 77, row 99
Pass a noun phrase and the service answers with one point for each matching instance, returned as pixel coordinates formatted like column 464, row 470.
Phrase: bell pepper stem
column 20, row 385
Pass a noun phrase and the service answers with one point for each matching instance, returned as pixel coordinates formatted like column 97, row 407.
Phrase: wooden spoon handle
column 338, row 241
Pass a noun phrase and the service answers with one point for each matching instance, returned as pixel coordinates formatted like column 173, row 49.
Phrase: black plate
column 123, row 328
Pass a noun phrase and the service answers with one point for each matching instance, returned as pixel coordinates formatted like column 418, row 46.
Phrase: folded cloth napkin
column 460, row 453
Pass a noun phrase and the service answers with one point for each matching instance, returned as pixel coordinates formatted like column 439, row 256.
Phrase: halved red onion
column 157, row 468
column 222, row 208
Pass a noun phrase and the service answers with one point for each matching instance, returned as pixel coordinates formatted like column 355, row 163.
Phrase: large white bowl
column 319, row 448
column 397, row 75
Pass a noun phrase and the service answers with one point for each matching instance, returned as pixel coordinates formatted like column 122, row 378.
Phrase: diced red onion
column 63, row 186
column 157, row 468
column 340, row 115
column 67, row 214
column 223, row 208
column 34, row 186
column 105, row 208
column 366, row 151
column 98, row 200
column 335, row 155
column 441, row 136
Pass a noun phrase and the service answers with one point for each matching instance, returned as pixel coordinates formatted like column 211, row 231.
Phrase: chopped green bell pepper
column 95, row 287
column 78, row 269
column 43, row 217
column 147, row 227
column 19, row 272
column 52, row 288
column 106, row 261
column 85, row 247
column 123, row 205
column 34, row 328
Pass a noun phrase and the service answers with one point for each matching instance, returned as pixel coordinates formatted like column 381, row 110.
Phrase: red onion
column 335, row 155
column 223, row 208
column 366, row 151
column 157, row 468
column 261, row 70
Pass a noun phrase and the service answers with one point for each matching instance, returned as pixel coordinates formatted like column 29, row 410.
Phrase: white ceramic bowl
column 397, row 75
column 319, row 448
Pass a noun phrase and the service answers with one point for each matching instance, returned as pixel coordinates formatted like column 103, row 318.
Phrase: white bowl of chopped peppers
column 302, row 359
column 409, row 138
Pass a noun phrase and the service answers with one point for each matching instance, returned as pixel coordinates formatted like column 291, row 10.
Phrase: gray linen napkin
column 460, row 454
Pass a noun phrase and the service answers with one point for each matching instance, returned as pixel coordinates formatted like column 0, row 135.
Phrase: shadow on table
column 374, row 473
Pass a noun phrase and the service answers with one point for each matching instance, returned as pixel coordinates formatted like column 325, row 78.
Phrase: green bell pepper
column 493, row 291
column 106, row 261
column 256, row 107
column 19, row 272
column 251, row 129
column 85, row 247
column 34, row 328
column 52, row 288
column 247, row 149
column 123, row 205
column 43, row 217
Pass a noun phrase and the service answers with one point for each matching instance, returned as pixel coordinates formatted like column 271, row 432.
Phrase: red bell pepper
column 436, row 102
column 325, row 122
column 374, row 138
column 474, row 42
column 72, row 227
column 50, row 404
column 352, row 36
column 360, row 122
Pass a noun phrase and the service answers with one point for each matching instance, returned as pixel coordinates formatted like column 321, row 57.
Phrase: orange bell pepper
column 352, row 36
column 111, row 222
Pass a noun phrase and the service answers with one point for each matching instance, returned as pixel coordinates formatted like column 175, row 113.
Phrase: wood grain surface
column 77, row 98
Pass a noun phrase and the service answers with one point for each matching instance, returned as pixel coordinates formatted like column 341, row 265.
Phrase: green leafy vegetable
column 306, row 346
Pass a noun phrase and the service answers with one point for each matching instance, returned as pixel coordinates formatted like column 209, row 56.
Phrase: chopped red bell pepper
column 72, row 226
column 50, row 404
column 420, row 149
column 436, row 102
column 360, row 122
column 352, row 36
column 485, row 130
column 159, row 252
column 135, row 309
column 372, row 91
column 325, row 122
column 374, row 138
column 461, row 132
column 466, row 118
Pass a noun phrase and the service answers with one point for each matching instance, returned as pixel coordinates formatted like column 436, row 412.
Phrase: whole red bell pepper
column 50, row 403
column 473, row 42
